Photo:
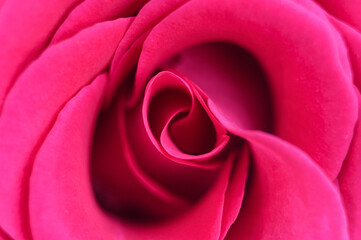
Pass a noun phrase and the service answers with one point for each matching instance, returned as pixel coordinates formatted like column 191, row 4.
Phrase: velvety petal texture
column 180, row 119
column 62, row 70
column 288, row 196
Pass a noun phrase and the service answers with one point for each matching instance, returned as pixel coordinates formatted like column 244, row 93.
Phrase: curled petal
column 287, row 195
column 186, row 131
column 23, row 38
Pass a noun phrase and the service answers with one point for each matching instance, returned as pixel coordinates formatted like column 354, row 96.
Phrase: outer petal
column 287, row 196
column 33, row 103
column 350, row 182
column 346, row 10
column 90, row 12
column 25, row 29
column 61, row 201
column 353, row 40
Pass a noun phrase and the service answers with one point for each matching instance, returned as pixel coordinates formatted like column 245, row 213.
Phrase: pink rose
column 180, row 119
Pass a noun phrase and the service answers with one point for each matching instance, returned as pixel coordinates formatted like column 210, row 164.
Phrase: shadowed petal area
column 302, row 55
column 207, row 217
column 25, row 29
column 120, row 184
column 347, row 10
column 287, row 195
column 90, row 12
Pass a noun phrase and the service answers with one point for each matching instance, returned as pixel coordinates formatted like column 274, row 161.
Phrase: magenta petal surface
column 288, row 196
column 59, row 73
column 61, row 197
column 23, row 38
column 350, row 182
column 306, row 112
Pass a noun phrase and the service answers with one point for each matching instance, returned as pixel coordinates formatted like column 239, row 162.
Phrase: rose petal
column 347, row 11
column 130, row 47
column 309, row 80
column 235, row 191
column 232, row 79
column 350, row 183
column 61, row 200
column 3, row 234
column 202, row 221
column 33, row 103
column 94, row 11
column 287, row 196
column 353, row 40
column 188, row 181
column 119, row 183
column 23, row 38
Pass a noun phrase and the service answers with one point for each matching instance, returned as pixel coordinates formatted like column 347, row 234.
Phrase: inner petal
column 178, row 119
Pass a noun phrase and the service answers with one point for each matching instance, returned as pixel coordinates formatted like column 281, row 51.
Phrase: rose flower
column 180, row 119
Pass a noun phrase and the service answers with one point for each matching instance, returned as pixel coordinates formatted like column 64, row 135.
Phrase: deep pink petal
column 202, row 221
column 127, row 54
column 236, row 189
column 346, row 10
column 119, row 181
column 90, row 12
column 25, row 29
column 352, row 39
column 350, row 182
column 196, row 131
column 61, row 202
column 34, row 101
column 188, row 181
column 287, row 195
column 229, row 75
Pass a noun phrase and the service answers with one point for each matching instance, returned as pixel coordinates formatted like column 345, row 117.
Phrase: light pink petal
column 61, row 200
column 350, row 182
column 302, row 56
column 32, row 105
column 287, row 196
column 26, row 27
column 90, row 12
